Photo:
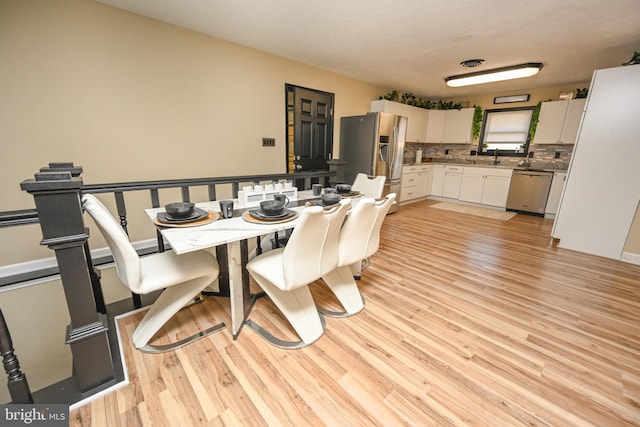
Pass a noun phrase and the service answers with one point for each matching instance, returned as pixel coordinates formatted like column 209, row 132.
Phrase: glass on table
column 226, row 208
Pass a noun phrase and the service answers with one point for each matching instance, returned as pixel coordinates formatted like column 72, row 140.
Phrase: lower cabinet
column 487, row 186
column 426, row 175
column 437, row 183
column 452, row 181
column 553, row 201
column 416, row 182
column 496, row 190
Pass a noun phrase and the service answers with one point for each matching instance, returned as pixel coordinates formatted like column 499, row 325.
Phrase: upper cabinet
column 559, row 121
column 457, row 126
column 435, row 126
column 431, row 126
column 417, row 117
column 449, row 126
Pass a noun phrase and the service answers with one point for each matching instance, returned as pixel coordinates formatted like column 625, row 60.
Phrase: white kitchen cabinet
column 384, row 106
column 472, row 185
column 417, row 131
column 452, row 181
column 416, row 182
column 426, row 173
column 457, row 126
column 487, row 186
column 416, row 117
column 449, row 126
column 559, row 121
column 496, row 190
column 435, row 126
column 437, row 183
column 409, row 183
column 557, row 184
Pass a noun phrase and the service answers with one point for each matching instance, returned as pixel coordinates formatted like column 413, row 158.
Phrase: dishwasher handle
column 532, row 173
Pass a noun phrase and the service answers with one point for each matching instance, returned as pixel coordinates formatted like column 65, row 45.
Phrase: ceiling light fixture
column 495, row 75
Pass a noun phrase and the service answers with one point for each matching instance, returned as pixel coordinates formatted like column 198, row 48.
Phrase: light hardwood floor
column 468, row 321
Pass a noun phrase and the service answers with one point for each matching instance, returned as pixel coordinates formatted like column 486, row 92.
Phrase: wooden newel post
column 56, row 191
column 17, row 382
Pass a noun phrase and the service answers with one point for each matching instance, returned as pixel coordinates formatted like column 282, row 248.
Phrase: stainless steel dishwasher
column 528, row 191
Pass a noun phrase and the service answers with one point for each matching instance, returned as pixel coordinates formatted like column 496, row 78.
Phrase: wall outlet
column 268, row 142
column 446, row 151
column 557, row 155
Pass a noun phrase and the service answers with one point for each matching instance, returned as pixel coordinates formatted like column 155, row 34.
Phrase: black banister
column 21, row 217
column 17, row 381
column 185, row 194
column 122, row 210
column 301, row 180
column 57, row 197
column 212, row 191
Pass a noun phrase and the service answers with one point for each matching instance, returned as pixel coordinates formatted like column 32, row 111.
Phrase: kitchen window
column 505, row 132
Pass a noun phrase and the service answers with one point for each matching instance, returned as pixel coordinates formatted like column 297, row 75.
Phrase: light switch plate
column 268, row 142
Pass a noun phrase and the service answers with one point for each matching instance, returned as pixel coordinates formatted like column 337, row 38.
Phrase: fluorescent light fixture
column 495, row 75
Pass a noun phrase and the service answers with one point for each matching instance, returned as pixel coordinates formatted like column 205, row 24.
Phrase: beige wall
column 550, row 93
column 128, row 98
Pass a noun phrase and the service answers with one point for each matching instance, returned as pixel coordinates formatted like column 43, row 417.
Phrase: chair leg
column 358, row 267
column 166, row 306
column 299, row 309
column 345, row 288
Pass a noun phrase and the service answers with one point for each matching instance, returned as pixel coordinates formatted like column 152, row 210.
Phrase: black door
column 309, row 129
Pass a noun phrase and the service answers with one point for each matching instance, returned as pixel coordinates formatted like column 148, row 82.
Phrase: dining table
column 234, row 233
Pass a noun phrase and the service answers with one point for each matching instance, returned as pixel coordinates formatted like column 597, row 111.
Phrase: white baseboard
column 631, row 258
column 45, row 263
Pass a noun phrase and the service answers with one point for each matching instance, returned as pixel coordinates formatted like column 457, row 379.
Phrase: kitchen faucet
column 495, row 159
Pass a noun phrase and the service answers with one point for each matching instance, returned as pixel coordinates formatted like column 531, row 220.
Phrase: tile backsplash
column 451, row 152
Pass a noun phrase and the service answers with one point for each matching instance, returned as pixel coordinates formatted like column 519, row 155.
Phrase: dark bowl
column 179, row 209
column 330, row 198
column 343, row 188
column 272, row 207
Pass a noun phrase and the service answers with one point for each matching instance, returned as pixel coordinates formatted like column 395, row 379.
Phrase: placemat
column 250, row 218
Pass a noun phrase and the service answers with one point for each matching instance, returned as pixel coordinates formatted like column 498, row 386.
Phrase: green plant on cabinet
column 410, row 99
column 535, row 117
column 477, row 122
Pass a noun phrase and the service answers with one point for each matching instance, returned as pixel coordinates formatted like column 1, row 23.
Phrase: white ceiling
column 412, row 45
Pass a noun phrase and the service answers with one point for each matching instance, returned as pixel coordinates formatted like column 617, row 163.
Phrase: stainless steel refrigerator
column 374, row 144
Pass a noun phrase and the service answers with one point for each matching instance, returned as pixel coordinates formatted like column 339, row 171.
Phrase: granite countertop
column 486, row 163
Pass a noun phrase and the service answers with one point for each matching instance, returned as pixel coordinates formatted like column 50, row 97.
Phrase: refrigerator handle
column 392, row 155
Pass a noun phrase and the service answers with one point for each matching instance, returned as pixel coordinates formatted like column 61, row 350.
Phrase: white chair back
column 124, row 254
column 369, row 186
column 312, row 249
column 356, row 232
column 382, row 208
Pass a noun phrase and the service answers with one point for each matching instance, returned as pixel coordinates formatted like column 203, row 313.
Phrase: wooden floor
column 468, row 321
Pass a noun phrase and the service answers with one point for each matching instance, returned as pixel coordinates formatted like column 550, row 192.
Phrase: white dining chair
column 359, row 239
column 369, row 186
column 182, row 277
column 285, row 273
